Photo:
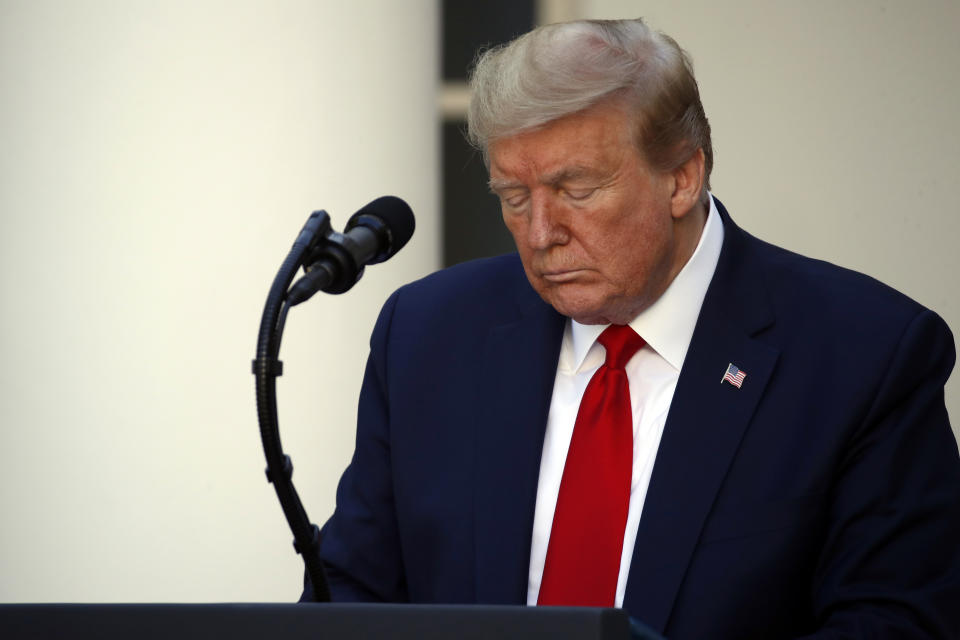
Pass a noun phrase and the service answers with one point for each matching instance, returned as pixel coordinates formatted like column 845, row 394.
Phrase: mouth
column 560, row 277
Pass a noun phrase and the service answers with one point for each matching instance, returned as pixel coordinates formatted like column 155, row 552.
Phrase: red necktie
column 586, row 541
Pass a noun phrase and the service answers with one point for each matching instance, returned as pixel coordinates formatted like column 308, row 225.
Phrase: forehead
column 580, row 144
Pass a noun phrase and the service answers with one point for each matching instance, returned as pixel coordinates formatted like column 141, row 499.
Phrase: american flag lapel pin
column 733, row 375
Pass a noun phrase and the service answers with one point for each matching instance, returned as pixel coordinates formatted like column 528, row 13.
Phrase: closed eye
column 513, row 198
column 580, row 194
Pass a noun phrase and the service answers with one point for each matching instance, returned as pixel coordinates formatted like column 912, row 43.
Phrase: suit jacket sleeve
column 437, row 503
column 890, row 562
column 360, row 545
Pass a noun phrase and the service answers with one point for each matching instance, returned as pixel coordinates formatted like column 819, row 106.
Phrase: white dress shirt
column 667, row 326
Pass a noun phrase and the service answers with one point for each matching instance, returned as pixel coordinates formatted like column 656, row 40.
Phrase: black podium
column 302, row 621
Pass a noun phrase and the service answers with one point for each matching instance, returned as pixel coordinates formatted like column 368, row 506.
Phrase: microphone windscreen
column 396, row 215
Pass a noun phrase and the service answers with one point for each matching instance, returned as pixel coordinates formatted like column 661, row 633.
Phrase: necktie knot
column 621, row 342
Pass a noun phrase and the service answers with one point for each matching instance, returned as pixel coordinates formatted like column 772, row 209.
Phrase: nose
column 545, row 228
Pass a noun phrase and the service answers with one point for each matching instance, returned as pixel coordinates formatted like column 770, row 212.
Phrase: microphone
column 334, row 261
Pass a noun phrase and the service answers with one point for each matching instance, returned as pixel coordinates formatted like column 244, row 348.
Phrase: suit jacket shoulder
column 803, row 487
column 437, row 503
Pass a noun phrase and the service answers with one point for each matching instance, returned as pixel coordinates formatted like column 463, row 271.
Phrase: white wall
column 157, row 161
column 835, row 130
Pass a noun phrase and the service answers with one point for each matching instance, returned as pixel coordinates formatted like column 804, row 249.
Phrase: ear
column 688, row 184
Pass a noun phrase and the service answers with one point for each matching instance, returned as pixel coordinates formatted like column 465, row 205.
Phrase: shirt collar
column 666, row 325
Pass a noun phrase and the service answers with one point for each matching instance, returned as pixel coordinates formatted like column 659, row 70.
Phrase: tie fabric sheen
column 586, row 540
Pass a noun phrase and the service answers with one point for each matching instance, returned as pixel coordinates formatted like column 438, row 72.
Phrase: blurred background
column 158, row 159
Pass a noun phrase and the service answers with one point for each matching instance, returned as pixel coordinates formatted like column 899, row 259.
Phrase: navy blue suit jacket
column 823, row 495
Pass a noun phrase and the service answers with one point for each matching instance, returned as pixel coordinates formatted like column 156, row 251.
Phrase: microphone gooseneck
column 334, row 262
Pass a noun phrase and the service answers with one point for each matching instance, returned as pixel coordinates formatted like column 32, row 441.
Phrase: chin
column 581, row 302
column 582, row 313
column 595, row 313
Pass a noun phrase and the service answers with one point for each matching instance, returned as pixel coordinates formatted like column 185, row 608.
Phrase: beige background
column 158, row 159
column 157, row 162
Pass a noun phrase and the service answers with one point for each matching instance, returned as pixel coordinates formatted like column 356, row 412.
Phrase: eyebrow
column 496, row 184
column 570, row 173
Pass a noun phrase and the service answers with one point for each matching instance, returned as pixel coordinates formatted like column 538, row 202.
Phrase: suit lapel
column 519, row 364
column 704, row 427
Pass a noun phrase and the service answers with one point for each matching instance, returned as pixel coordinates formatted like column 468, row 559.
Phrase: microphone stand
column 266, row 368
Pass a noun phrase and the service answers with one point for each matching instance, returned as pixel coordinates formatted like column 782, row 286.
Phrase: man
column 757, row 447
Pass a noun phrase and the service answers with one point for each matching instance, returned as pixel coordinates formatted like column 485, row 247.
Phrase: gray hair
column 561, row 69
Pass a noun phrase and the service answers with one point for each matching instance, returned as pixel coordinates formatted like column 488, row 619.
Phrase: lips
column 559, row 277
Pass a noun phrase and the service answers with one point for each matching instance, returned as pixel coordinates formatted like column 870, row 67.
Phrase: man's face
column 595, row 226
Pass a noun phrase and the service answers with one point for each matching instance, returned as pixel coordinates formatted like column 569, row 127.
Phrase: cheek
column 517, row 227
column 629, row 253
column 511, row 221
